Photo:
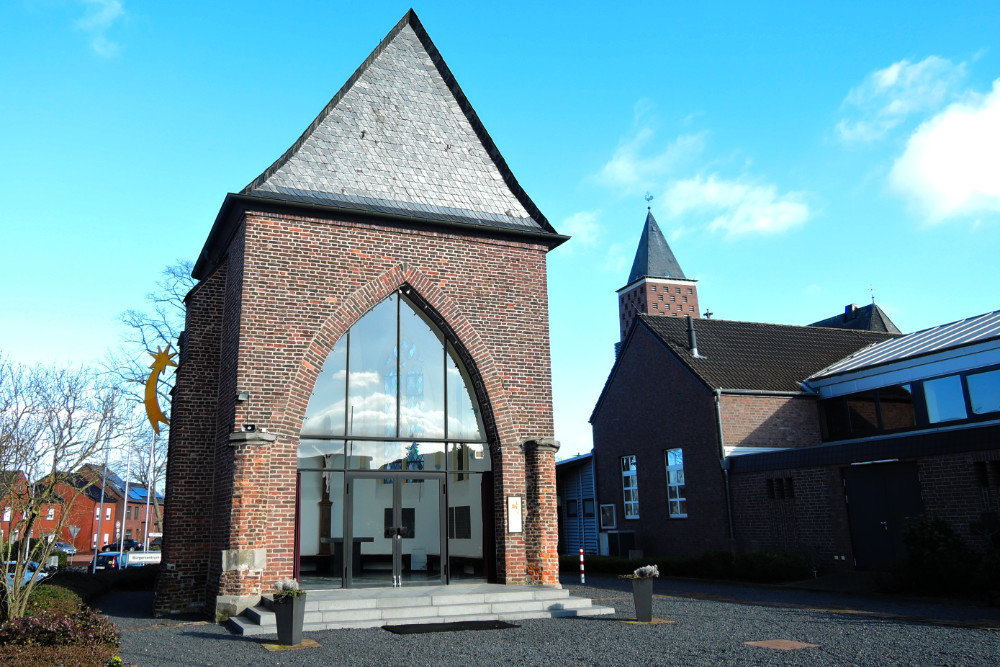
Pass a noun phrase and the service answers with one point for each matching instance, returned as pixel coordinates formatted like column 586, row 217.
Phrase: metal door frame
column 397, row 552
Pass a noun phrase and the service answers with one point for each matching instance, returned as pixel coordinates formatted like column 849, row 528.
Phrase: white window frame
column 630, row 486
column 676, row 491
column 6, row 514
column 51, row 514
column 107, row 514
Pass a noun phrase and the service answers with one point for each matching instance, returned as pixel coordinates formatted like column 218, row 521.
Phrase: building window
column 571, row 510
column 659, row 297
column 107, row 514
column 608, row 517
column 685, row 299
column 630, row 487
column 51, row 514
column 97, row 512
column 678, row 290
column 656, row 306
column 673, row 298
column 690, row 291
column 588, row 508
column 691, row 308
column 6, row 514
column 676, row 495
column 984, row 392
column 945, row 400
column 654, row 288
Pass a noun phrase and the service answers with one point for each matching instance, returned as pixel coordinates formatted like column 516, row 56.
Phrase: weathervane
column 871, row 288
column 648, row 198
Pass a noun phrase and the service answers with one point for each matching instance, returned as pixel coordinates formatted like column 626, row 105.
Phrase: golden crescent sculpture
column 161, row 359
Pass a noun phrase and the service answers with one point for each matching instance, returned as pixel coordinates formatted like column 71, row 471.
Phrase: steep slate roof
column 401, row 137
column 653, row 257
column 865, row 318
column 756, row 356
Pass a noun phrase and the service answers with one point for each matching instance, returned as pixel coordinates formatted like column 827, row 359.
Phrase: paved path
column 705, row 624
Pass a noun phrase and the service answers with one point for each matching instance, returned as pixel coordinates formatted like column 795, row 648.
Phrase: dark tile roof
column 755, row 356
column 401, row 138
column 865, row 318
column 653, row 257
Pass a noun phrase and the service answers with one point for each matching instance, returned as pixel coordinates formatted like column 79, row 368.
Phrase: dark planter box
column 289, row 613
column 642, row 593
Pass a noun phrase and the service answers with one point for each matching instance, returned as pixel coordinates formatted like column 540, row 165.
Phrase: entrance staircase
column 376, row 607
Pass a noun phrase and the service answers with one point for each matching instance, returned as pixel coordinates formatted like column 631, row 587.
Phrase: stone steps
column 355, row 608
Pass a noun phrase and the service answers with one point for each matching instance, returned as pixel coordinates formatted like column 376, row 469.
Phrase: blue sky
column 799, row 154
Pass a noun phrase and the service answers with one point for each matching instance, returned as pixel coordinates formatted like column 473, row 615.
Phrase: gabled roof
column 978, row 329
column 400, row 136
column 653, row 257
column 865, row 318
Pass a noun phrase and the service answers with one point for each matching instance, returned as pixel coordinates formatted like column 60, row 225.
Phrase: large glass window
column 984, row 392
column 630, row 487
column 945, row 399
column 393, row 395
column 676, row 495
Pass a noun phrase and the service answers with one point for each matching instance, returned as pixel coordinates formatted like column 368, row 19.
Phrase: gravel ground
column 708, row 624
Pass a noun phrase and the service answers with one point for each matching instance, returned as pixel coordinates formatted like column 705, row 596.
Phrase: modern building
column 909, row 426
column 363, row 395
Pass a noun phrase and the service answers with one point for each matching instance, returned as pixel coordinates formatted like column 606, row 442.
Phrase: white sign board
column 143, row 557
column 514, row 517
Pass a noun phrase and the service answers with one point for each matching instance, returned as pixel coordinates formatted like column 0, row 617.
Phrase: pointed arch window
column 393, row 393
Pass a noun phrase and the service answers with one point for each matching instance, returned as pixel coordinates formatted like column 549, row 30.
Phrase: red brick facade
column 754, row 420
column 264, row 322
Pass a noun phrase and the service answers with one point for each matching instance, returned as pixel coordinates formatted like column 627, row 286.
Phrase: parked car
column 67, row 549
column 112, row 560
column 156, row 543
column 31, row 570
column 128, row 545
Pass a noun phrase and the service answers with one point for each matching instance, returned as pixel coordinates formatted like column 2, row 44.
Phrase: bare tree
column 52, row 421
column 145, row 330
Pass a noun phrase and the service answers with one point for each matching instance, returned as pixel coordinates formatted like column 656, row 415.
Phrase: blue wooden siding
column 579, row 531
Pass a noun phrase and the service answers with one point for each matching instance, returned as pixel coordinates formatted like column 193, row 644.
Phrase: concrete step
column 329, row 610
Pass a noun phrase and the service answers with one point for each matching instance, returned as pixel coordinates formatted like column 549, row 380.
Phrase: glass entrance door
column 393, row 529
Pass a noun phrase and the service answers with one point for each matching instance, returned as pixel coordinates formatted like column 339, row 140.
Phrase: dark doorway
column 880, row 497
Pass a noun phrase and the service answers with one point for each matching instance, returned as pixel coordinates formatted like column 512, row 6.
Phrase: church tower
column 656, row 285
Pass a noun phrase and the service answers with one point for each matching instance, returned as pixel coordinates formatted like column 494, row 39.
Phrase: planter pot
column 642, row 593
column 289, row 613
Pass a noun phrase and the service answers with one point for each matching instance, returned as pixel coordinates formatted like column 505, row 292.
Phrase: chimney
column 849, row 311
column 692, row 337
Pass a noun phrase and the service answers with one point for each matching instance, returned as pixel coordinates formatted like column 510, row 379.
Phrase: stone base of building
column 227, row 606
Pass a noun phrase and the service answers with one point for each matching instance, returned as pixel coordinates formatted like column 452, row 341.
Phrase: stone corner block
column 541, row 444
column 256, row 438
column 241, row 560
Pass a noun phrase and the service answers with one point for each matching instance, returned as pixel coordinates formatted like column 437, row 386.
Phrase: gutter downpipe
column 725, row 462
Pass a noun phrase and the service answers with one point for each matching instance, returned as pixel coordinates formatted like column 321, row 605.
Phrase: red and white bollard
column 583, row 578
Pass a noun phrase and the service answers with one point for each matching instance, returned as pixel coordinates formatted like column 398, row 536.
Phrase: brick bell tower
column 656, row 285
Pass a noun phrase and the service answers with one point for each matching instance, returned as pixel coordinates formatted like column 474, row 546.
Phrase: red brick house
column 363, row 392
column 683, row 398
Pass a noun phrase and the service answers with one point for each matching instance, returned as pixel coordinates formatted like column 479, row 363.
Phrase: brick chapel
column 364, row 392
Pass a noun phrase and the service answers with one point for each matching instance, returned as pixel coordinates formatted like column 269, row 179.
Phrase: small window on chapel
column 654, row 288
column 690, row 291
column 678, row 290
column 660, row 297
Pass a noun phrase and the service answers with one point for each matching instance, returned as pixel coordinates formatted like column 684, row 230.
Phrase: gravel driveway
column 704, row 624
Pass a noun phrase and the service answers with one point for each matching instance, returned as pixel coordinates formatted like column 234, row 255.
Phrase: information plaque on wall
column 514, row 514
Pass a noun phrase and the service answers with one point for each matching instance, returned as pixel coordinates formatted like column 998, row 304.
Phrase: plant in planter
column 642, row 591
column 289, row 611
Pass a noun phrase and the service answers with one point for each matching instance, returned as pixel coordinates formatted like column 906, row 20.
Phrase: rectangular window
column 460, row 522
column 630, row 487
column 673, row 298
column 107, row 514
column 6, row 514
column 571, row 509
column 659, row 297
column 608, row 517
column 690, row 291
column 588, row 508
column 654, row 288
column 51, row 514
column 945, row 399
column 685, row 299
column 984, row 392
column 676, row 494
column 93, row 541
column 656, row 306
column 97, row 512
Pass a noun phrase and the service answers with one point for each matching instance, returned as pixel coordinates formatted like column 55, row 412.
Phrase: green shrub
column 83, row 628
column 938, row 561
column 749, row 566
column 56, row 599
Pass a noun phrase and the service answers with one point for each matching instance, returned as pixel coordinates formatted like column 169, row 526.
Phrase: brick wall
column 769, row 421
column 644, row 413
column 295, row 285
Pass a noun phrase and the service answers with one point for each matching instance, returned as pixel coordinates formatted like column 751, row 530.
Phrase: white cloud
column 888, row 96
column 583, row 227
column 636, row 165
column 951, row 165
column 739, row 207
column 100, row 16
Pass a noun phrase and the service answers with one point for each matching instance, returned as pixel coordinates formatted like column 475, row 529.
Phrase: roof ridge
column 657, row 318
column 485, row 140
